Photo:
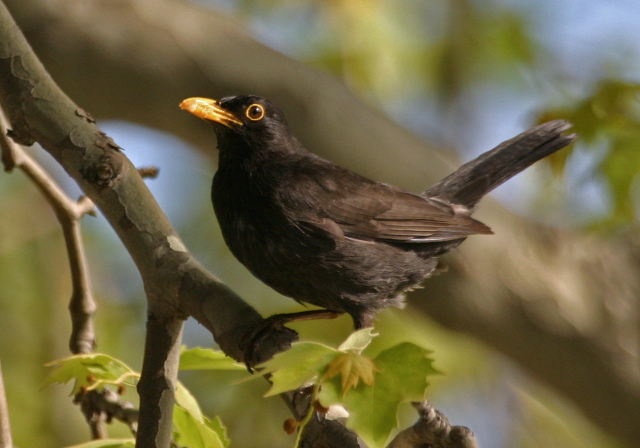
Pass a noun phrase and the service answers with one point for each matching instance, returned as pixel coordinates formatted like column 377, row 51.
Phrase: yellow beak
column 210, row 110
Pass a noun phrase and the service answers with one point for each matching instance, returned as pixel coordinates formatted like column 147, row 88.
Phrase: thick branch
column 131, row 51
column 82, row 305
column 176, row 285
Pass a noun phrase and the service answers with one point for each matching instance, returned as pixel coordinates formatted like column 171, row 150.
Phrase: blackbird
column 321, row 234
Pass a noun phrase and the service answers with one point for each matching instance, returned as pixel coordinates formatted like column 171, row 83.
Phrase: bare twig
column 5, row 426
column 82, row 306
column 103, row 405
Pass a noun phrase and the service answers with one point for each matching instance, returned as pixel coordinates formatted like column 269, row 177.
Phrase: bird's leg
column 270, row 327
column 362, row 320
column 304, row 315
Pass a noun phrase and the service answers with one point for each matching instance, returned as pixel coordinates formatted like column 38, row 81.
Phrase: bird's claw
column 270, row 336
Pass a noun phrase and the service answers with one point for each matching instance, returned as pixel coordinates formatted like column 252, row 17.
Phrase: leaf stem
column 307, row 417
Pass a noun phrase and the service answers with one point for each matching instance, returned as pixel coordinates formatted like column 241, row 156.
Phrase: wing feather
column 345, row 204
column 382, row 212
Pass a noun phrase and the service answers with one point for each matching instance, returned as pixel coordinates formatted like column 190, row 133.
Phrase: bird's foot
column 270, row 336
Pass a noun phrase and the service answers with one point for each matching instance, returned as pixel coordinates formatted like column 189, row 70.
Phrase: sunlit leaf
column 86, row 369
column 216, row 425
column 298, row 365
column 191, row 432
column 401, row 376
column 198, row 358
column 188, row 402
column 358, row 340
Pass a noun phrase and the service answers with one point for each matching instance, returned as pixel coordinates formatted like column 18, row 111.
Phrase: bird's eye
column 255, row 112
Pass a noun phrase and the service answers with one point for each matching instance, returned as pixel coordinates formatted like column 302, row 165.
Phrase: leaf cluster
column 190, row 426
column 370, row 388
column 608, row 119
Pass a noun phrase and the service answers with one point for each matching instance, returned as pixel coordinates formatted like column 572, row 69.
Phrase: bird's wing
column 401, row 217
column 367, row 210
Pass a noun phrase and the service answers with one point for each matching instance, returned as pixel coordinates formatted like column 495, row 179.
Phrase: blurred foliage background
column 462, row 73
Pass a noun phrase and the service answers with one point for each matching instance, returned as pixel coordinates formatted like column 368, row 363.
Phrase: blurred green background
column 464, row 74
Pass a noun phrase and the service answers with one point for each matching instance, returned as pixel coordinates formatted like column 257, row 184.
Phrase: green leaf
column 621, row 167
column 358, row 340
column 298, row 365
column 216, row 425
column 609, row 118
column 402, row 376
column 191, row 432
column 80, row 367
column 199, row 358
column 191, row 427
column 188, row 402
column 107, row 443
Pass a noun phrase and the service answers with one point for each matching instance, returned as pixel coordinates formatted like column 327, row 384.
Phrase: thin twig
column 103, row 405
column 82, row 306
column 5, row 426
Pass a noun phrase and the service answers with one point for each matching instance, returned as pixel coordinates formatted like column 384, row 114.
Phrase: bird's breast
column 252, row 222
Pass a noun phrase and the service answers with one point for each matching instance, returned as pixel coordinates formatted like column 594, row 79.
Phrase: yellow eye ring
column 255, row 112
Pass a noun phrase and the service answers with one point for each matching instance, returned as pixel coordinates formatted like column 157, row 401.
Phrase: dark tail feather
column 475, row 179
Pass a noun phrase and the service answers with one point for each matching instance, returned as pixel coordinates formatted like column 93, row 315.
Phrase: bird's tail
column 474, row 179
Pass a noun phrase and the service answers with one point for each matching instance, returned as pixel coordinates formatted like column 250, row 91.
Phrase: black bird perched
column 324, row 235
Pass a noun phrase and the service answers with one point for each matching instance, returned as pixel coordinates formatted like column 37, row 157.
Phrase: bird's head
column 251, row 120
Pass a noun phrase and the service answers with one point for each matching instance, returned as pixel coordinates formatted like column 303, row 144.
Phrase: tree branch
column 433, row 430
column 103, row 405
column 98, row 407
column 82, row 305
column 176, row 285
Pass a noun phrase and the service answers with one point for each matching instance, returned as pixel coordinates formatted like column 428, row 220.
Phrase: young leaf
column 199, row 358
column 351, row 368
column 358, row 340
column 81, row 368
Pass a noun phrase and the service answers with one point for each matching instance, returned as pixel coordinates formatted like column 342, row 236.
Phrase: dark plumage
column 324, row 235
